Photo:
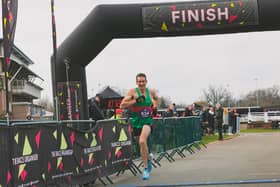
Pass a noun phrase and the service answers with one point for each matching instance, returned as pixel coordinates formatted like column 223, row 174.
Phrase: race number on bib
column 146, row 112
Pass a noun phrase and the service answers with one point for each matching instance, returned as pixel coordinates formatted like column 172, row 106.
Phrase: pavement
column 248, row 160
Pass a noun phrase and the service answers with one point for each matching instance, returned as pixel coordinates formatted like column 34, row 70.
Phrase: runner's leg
column 146, row 130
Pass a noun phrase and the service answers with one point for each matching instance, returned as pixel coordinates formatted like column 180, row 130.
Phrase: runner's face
column 141, row 82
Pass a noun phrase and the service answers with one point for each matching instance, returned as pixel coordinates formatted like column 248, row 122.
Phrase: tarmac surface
column 248, row 160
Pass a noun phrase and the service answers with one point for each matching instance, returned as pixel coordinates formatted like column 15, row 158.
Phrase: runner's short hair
column 141, row 75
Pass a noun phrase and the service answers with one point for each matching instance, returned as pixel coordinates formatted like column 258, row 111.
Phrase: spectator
column 235, row 115
column 119, row 115
column 189, row 111
column 204, row 120
column 174, row 109
column 95, row 111
column 169, row 111
column 219, row 120
column 155, row 113
column 231, row 121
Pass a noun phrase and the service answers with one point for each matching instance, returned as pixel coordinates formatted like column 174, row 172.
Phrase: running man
column 141, row 101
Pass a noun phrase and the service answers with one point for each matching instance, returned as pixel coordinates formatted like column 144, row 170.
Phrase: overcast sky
column 178, row 67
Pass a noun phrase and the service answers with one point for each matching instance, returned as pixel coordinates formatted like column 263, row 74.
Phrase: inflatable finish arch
column 107, row 22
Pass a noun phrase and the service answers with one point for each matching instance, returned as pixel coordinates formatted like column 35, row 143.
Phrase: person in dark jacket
column 231, row 121
column 219, row 120
column 204, row 121
column 95, row 111
column 189, row 111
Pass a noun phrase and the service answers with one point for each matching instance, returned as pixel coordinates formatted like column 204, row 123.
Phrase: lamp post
column 257, row 92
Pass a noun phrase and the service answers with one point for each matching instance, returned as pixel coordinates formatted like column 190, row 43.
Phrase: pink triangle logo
column 129, row 129
column 232, row 18
column 23, row 175
column 72, row 138
column 49, row 166
column 119, row 154
column 91, row 161
column 10, row 16
column 100, row 133
column 173, row 8
column 60, row 166
column 77, row 116
column 9, row 177
column 37, row 139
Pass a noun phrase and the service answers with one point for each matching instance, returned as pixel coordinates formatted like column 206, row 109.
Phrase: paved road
column 246, row 157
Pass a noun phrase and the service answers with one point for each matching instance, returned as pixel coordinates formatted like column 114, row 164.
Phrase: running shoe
column 146, row 174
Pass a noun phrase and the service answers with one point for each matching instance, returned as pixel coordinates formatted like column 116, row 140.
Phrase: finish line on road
column 260, row 181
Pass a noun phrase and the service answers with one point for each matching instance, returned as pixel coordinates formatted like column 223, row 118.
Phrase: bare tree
column 267, row 97
column 214, row 95
column 46, row 104
column 164, row 102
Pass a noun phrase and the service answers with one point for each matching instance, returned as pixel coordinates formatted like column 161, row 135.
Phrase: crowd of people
column 212, row 117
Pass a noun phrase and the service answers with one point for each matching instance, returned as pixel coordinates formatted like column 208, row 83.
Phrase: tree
column 214, row 95
column 268, row 97
column 164, row 102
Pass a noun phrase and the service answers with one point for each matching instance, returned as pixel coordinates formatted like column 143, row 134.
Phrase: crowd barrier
column 55, row 153
column 172, row 136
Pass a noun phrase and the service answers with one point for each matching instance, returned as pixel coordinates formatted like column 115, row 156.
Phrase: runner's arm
column 128, row 100
column 154, row 98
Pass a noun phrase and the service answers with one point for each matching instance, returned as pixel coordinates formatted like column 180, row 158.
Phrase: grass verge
column 208, row 139
column 259, row 130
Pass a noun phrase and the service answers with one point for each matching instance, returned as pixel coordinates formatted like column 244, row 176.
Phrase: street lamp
column 257, row 92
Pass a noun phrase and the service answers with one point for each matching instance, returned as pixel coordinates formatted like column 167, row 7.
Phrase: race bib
column 146, row 112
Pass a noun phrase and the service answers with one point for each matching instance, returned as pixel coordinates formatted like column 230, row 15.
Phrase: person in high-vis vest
column 141, row 102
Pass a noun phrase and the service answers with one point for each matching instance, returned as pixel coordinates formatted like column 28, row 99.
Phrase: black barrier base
column 141, row 164
column 155, row 161
column 102, row 181
column 178, row 151
column 201, row 143
column 164, row 155
column 188, row 148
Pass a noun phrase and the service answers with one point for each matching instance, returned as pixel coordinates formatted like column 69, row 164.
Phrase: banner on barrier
column 54, row 154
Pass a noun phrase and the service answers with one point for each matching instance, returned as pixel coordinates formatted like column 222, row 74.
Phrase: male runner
column 141, row 101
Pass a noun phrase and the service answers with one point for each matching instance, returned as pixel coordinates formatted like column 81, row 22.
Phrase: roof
column 23, row 61
column 24, row 71
column 109, row 93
